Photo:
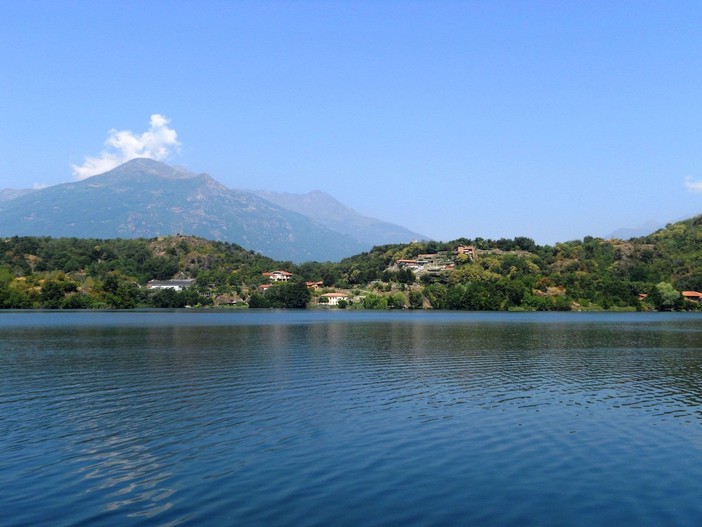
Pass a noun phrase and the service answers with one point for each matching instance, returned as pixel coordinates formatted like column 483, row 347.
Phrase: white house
column 278, row 276
column 334, row 298
column 178, row 285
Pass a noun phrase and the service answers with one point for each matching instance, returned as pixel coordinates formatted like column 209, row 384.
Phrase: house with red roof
column 695, row 296
column 333, row 299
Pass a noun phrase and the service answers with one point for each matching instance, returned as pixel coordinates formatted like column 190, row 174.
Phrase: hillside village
column 662, row 271
column 436, row 265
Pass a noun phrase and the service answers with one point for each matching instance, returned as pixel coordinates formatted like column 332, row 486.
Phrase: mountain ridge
column 145, row 198
column 327, row 210
column 8, row 194
column 645, row 229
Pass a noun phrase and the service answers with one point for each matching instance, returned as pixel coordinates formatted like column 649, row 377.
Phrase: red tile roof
column 692, row 294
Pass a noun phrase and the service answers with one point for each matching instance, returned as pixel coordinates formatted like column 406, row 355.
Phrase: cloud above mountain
column 158, row 142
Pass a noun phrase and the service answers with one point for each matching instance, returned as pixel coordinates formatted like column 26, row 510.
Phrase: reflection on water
column 350, row 418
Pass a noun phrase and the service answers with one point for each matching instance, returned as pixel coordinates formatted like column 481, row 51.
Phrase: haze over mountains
column 325, row 209
column 147, row 198
column 7, row 194
column 647, row 228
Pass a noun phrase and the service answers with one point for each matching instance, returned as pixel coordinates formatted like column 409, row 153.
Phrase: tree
column 78, row 301
column 121, row 294
column 437, row 294
column 515, row 291
column 167, row 298
column 406, row 276
column 160, row 267
column 258, row 301
column 53, row 292
column 396, row 301
column 296, row 295
column 293, row 295
column 11, row 298
column 665, row 298
column 416, row 300
column 373, row 301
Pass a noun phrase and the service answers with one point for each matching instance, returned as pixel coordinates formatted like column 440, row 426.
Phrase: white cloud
column 692, row 185
column 156, row 143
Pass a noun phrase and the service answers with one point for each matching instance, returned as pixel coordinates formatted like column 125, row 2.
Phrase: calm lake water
column 350, row 418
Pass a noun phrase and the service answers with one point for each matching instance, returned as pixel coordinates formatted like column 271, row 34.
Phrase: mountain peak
column 143, row 165
column 143, row 198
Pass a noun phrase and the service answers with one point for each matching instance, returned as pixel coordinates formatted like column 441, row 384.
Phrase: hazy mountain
column 8, row 194
column 324, row 209
column 636, row 232
column 146, row 198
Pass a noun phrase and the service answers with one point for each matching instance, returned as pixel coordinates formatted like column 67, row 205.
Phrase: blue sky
column 547, row 119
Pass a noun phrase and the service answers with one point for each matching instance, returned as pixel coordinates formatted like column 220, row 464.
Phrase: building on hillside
column 432, row 259
column 695, row 296
column 178, row 285
column 434, row 262
column 278, row 276
column 467, row 250
column 410, row 264
column 333, row 299
column 314, row 285
column 263, row 288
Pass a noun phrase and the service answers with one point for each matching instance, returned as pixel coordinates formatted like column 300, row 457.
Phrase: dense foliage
column 517, row 274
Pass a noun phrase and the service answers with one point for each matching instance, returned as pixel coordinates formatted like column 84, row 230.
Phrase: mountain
column 8, row 194
column 590, row 274
column 636, row 232
column 324, row 209
column 146, row 198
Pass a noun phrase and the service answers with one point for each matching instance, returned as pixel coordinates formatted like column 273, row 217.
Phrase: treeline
column 74, row 273
column 505, row 274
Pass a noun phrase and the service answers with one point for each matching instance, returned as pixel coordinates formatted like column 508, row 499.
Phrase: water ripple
column 425, row 420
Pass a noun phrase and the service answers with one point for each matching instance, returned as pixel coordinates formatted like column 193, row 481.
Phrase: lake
column 350, row 418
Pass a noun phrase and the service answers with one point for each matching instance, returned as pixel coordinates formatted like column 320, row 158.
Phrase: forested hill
column 85, row 272
column 677, row 253
column 642, row 273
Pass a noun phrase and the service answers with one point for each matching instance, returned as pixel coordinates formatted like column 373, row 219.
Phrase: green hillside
column 507, row 274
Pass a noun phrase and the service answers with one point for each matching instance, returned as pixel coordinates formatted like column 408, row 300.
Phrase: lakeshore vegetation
column 647, row 273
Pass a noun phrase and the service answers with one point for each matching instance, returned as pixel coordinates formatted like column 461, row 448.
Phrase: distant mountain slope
column 635, row 232
column 8, row 194
column 146, row 198
column 324, row 209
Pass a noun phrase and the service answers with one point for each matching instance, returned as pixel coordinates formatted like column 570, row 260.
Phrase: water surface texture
column 350, row 418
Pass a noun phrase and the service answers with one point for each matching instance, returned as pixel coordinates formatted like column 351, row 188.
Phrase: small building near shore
column 333, row 299
column 178, row 285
